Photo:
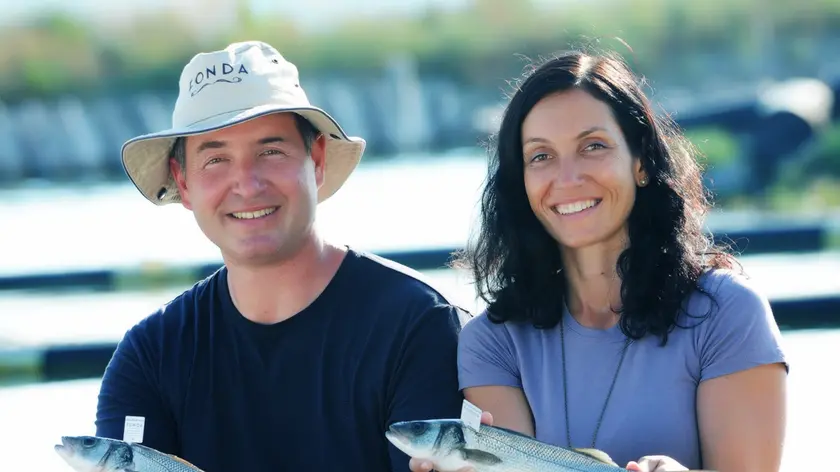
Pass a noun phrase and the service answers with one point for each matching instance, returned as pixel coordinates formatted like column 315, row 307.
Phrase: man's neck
column 273, row 293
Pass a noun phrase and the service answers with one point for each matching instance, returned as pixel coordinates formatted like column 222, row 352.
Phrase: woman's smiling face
column 580, row 176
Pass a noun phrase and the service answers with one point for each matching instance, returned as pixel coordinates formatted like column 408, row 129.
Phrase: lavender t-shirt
column 652, row 408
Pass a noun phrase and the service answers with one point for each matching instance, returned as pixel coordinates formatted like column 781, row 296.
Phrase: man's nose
column 248, row 179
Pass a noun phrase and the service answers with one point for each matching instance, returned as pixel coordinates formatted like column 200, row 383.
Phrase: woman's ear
column 639, row 172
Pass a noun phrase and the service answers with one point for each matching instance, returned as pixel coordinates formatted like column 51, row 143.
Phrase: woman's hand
column 655, row 464
column 422, row 465
column 645, row 464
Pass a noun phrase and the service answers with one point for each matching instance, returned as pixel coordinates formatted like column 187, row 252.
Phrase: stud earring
column 643, row 182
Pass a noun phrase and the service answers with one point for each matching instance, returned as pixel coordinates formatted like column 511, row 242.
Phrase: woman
column 612, row 320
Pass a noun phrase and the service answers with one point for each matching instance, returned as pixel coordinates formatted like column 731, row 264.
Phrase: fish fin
column 480, row 457
column 183, row 461
column 509, row 431
column 153, row 451
column 597, row 455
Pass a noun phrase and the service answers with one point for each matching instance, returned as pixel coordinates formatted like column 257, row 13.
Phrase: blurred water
column 425, row 201
column 34, row 319
column 35, row 416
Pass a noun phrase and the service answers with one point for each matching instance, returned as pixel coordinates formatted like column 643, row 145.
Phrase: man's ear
column 319, row 158
column 180, row 176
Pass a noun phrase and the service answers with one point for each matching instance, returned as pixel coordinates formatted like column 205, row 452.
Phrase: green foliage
column 481, row 46
column 718, row 148
column 811, row 182
column 824, row 157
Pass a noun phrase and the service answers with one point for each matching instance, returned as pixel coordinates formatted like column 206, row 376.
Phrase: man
column 297, row 354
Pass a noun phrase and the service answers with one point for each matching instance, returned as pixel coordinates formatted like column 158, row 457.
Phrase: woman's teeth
column 575, row 207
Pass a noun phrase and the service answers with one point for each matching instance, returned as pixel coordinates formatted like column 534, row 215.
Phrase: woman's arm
column 741, row 393
column 507, row 405
column 742, row 418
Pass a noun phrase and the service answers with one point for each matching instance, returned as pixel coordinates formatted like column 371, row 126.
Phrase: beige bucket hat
column 223, row 88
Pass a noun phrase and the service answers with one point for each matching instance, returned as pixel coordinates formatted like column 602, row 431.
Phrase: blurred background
column 83, row 256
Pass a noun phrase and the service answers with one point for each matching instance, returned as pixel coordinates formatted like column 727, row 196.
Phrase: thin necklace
column 627, row 343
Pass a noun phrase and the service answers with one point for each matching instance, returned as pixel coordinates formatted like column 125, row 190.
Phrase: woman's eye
column 596, row 147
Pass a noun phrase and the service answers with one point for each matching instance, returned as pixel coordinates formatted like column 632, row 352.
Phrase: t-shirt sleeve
column 486, row 355
column 130, row 388
column 425, row 382
column 741, row 333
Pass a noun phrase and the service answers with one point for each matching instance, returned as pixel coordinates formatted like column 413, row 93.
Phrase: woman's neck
column 594, row 286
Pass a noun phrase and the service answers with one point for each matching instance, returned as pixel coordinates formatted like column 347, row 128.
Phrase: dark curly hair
column 515, row 261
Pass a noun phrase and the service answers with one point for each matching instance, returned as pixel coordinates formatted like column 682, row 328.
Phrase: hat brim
column 145, row 158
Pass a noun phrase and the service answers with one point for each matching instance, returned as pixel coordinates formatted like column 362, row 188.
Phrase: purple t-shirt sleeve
column 486, row 355
column 741, row 333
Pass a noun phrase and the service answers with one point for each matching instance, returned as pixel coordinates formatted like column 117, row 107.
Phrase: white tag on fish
column 471, row 415
column 133, row 429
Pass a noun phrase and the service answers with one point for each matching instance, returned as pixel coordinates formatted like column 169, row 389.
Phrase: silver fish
column 451, row 445
column 95, row 454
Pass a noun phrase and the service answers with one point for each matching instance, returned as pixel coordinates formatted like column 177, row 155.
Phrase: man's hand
column 656, row 464
column 422, row 465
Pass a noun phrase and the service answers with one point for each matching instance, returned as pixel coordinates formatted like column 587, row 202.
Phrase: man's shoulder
column 385, row 278
column 179, row 312
column 386, row 272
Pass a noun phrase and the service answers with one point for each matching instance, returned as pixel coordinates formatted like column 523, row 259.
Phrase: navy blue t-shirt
column 313, row 393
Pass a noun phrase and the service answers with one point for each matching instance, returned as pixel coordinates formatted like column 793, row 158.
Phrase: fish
column 450, row 445
column 97, row 454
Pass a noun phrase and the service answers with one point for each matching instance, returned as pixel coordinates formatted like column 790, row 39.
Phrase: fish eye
column 419, row 428
column 89, row 442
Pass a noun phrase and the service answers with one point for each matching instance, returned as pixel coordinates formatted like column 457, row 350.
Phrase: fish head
column 441, row 442
column 95, row 454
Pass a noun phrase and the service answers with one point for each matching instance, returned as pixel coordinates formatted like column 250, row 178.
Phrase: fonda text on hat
column 203, row 78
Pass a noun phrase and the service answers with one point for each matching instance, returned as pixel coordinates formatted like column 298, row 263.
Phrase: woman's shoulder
column 729, row 291
column 738, row 328
column 486, row 324
column 482, row 325
column 731, row 306
column 484, row 329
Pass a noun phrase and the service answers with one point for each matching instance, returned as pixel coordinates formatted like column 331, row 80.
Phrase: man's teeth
column 249, row 215
column 575, row 207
